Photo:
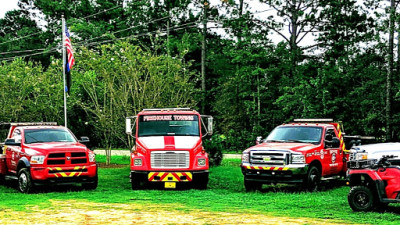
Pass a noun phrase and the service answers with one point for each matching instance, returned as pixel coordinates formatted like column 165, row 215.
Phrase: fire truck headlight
column 201, row 162
column 92, row 157
column 298, row 159
column 37, row 159
column 137, row 162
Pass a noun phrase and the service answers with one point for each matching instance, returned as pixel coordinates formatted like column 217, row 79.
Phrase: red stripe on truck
column 169, row 141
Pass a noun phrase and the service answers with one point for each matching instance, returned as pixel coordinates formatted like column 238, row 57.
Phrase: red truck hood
column 169, row 142
column 298, row 147
column 45, row 148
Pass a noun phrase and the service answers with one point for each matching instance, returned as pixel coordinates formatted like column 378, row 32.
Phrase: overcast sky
column 7, row 5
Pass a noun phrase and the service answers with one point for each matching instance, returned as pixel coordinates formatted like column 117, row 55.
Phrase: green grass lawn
column 225, row 194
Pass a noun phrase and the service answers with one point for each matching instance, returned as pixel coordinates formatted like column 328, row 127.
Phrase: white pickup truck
column 376, row 151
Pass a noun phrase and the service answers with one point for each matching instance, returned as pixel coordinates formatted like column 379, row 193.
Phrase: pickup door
column 334, row 155
column 13, row 153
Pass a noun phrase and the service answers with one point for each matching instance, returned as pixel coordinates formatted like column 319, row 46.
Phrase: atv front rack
column 361, row 164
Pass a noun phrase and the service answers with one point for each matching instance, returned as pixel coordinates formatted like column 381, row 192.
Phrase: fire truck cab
column 168, row 147
column 37, row 154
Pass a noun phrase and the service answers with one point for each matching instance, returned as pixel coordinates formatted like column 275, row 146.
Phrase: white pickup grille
column 169, row 159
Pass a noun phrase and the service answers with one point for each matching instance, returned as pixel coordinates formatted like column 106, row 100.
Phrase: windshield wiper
column 280, row 141
column 33, row 142
column 299, row 141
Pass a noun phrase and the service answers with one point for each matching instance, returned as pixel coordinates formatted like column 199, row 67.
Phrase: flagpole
column 63, row 52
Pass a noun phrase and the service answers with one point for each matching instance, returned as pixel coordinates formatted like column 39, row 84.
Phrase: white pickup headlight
column 298, row 159
column 92, row 157
column 37, row 159
column 361, row 156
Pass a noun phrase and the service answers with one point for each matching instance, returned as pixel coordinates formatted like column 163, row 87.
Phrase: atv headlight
column 92, row 157
column 298, row 159
column 37, row 159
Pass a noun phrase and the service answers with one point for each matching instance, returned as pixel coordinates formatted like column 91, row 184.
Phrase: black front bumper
column 291, row 175
column 143, row 175
column 65, row 181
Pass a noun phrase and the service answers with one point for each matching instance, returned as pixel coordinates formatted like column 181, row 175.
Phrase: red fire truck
column 304, row 152
column 168, row 148
column 37, row 154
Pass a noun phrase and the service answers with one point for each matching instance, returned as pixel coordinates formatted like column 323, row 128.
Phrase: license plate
column 170, row 185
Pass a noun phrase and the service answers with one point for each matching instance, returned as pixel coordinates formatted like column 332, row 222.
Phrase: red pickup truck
column 303, row 152
column 42, row 154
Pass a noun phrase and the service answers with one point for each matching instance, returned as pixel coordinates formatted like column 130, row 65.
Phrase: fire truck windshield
column 296, row 134
column 168, row 125
column 47, row 135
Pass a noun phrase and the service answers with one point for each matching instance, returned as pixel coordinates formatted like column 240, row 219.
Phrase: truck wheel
column 136, row 182
column 252, row 186
column 361, row 198
column 201, row 182
column 313, row 180
column 92, row 185
column 24, row 181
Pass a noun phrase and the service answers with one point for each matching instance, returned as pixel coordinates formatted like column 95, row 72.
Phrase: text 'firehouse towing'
column 168, row 148
column 43, row 154
column 300, row 152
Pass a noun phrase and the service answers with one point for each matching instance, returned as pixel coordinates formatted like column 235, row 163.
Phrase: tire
column 92, row 185
column 201, row 182
column 361, row 198
column 252, row 186
column 136, row 183
column 312, row 182
column 24, row 181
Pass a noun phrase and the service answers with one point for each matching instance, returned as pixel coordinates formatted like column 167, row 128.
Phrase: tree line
column 336, row 59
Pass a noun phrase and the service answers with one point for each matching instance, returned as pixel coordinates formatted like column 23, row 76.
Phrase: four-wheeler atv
column 374, row 184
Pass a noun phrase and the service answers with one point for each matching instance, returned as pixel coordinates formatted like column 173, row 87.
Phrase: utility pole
column 203, row 58
column 390, row 73
column 64, row 57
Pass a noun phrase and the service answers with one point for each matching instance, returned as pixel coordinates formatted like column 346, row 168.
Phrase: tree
column 120, row 80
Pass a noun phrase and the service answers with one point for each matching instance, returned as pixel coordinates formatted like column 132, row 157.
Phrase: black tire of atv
column 361, row 199
column 24, row 181
column 312, row 182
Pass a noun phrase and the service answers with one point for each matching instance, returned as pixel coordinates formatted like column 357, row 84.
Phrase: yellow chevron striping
column 276, row 168
column 285, row 168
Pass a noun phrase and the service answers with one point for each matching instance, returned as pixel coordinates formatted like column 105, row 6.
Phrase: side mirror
column 333, row 143
column 84, row 139
column 12, row 142
column 128, row 126
column 210, row 121
column 258, row 140
column 328, row 137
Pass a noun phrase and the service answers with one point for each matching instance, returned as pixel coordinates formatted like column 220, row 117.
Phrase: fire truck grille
column 269, row 157
column 66, row 158
column 170, row 159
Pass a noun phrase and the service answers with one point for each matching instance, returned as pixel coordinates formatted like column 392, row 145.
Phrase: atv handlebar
column 383, row 162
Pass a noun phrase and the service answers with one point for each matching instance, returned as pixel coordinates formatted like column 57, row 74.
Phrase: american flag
column 70, row 52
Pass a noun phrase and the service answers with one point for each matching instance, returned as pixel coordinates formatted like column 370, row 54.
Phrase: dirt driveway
column 73, row 212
